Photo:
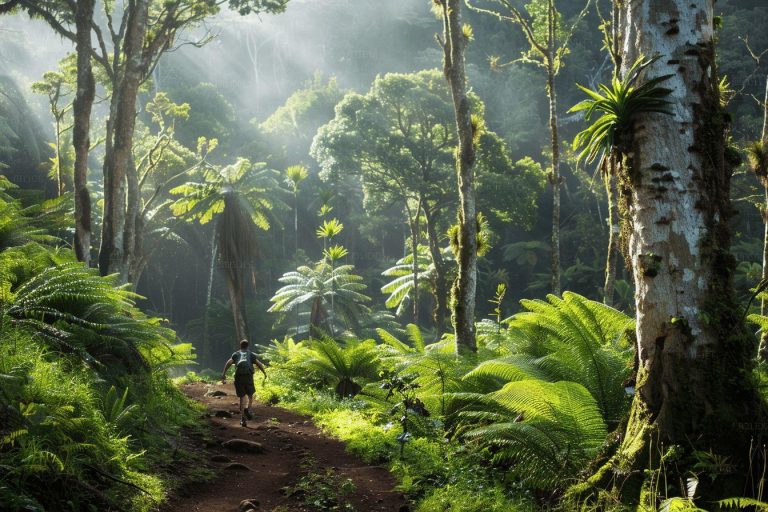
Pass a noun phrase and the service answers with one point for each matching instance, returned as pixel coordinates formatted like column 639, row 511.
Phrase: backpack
column 244, row 364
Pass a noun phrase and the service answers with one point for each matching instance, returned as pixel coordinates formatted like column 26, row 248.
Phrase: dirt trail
column 289, row 442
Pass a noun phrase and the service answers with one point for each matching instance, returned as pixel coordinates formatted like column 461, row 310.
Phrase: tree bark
column 613, row 234
column 84, row 97
column 693, row 384
column 441, row 286
column 465, row 286
column 116, row 165
column 237, row 302
column 554, row 176
column 134, row 225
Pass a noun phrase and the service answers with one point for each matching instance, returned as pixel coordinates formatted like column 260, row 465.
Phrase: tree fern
column 547, row 431
column 79, row 311
column 314, row 286
column 346, row 367
column 569, row 339
column 400, row 288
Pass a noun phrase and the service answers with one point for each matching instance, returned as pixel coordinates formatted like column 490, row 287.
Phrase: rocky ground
column 280, row 462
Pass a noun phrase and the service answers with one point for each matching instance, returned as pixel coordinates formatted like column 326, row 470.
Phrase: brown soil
column 292, row 447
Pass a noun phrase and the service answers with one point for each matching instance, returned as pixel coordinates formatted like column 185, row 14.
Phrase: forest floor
column 294, row 464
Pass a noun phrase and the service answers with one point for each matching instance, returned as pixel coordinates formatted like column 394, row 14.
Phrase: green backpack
column 244, row 364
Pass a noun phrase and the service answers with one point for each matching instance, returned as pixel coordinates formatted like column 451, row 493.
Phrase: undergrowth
column 89, row 418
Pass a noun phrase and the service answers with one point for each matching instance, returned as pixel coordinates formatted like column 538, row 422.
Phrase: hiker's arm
column 260, row 366
column 226, row 367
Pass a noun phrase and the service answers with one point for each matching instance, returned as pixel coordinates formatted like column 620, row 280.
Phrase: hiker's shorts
column 244, row 385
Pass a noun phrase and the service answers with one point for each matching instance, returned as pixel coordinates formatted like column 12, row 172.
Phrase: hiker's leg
column 242, row 405
column 250, row 401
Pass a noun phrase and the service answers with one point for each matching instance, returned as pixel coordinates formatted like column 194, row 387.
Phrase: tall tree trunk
column 138, row 259
column 413, row 224
column 132, row 226
column 84, row 97
column 694, row 353
column 118, row 164
column 237, row 303
column 207, row 348
column 611, row 172
column 316, row 317
column 59, row 177
column 296, row 221
column 465, row 287
column 555, row 179
column 441, row 286
column 612, row 257
column 763, row 350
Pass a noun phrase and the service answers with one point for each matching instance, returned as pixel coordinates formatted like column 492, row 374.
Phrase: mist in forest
column 257, row 61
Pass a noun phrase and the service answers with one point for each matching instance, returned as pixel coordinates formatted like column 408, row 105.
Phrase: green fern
column 743, row 504
column 314, row 287
column 346, row 367
column 678, row 504
column 438, row 371
column 76, row 310
column 400, row 288
column 570, row 339
column 546, row 431
column 116, row 411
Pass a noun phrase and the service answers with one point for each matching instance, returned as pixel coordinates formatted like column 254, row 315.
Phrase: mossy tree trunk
column 555, row 179
column 464, row 289
column 84, row 98
column 693, row 384
column 612, row 257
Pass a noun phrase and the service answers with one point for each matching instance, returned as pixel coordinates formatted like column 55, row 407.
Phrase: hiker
column 243, row 360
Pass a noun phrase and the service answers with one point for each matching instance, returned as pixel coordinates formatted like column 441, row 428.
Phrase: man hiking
column 243, row 360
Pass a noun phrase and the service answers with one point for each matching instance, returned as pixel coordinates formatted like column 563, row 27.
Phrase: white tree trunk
column 693, row 350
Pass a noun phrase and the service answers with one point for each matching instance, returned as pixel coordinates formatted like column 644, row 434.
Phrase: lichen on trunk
column 693, row 391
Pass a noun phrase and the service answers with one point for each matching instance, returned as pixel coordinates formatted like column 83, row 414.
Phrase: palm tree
column 240, row 197
column 405, row 283
column 315, row 286
column 401, row 287
column 294, row 175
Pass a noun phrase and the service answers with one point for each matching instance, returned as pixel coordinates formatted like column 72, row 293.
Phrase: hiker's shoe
column 243, row 423
column 248, row 414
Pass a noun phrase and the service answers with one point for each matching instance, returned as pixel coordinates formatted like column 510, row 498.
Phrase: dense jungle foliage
column 286, row 172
